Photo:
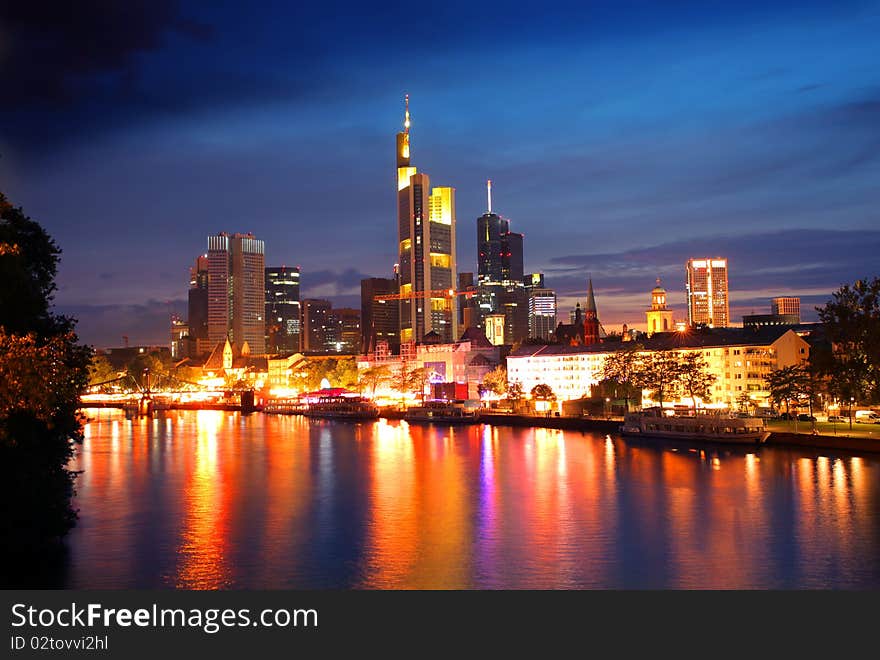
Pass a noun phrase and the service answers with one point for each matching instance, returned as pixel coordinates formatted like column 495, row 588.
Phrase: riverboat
column 707, row 426
column 342, row 407
column 441, row 412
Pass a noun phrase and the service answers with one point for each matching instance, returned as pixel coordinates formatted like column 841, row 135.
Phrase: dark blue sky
column 621, row 138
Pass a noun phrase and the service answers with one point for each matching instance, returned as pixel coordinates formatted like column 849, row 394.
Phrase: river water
column 214, row 500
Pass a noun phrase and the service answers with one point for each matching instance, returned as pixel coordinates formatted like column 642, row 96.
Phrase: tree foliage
column 851, row 320
column 496, row 380
column 372, row 377
column 623, row 368
column 543, row 392
column 43, row 372
column 660, row 373
column 694, row 378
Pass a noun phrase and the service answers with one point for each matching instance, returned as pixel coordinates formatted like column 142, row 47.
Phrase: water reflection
column 213, row 500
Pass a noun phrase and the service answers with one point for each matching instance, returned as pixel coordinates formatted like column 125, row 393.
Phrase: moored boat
column 707, row 426
column 342, row 407
column 441, row 412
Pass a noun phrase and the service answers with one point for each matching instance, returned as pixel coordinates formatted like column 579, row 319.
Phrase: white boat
column 441, row 412
column 708, row 426
column 342, row 407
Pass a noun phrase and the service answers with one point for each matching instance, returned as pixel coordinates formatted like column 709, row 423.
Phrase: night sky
column 621, row 137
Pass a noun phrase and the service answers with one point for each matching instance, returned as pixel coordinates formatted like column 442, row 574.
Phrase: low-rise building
column 739, row 358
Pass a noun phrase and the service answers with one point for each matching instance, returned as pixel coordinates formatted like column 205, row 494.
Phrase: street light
column 607, row 407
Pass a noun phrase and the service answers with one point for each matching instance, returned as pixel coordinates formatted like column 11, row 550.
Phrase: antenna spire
column 489, row 193
column 406, row 116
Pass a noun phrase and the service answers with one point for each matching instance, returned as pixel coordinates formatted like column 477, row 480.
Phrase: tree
column 622, row 368
column 372, row 377
column 785, row 385
column 344, row 373
column 101, row 371
column 694, row 377
column 43, row 372
column 496, row 380
column 851, row 320
column 515, row 393
column 659, row 372
column 543, row 392
column 410, row 379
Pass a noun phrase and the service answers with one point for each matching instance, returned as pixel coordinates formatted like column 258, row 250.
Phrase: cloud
column 104, row 326
column 760, row 266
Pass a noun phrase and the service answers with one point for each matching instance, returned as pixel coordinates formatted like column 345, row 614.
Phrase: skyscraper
column 707, row 292
column 197, row 306
column 346, row 323
column 236, row 292
column 542, row 313
column 283, row 314
column 500, row 273
column 426, row 243
column 380, row 319
column 317, row 333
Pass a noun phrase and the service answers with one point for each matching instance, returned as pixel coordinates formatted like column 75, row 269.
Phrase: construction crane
column 433, row 293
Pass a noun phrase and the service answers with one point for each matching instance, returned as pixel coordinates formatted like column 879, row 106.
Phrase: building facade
column 542, row 313
column 283, row 313
column 740, row 360
column 317, row 331
column 786, row 306
column 426, row 248
column 236, row 290
column 659, row 317
column 707, row 292
column 347, row 326
column 380, row 319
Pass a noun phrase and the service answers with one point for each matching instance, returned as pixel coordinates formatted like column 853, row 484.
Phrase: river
column 217, row 500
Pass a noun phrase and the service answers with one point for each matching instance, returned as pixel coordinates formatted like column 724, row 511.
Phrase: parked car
column 867, row 417
column 837, row 418
column 786, row 416
column 806, row 418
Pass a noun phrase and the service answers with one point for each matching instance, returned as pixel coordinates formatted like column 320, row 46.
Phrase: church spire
column 591, row 299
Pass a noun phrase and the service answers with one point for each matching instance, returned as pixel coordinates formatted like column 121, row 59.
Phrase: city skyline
column 753, row 130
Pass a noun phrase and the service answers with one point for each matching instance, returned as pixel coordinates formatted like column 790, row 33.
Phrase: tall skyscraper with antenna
column 426, row 245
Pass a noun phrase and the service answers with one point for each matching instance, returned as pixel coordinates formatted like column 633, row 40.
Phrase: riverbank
column 776, row 439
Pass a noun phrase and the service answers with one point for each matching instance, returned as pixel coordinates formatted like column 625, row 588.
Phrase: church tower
column 659, row 317
column 591, row 319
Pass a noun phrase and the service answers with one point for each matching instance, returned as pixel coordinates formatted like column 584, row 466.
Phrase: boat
column 707, row 426
column 342, row 407
column 441, row 412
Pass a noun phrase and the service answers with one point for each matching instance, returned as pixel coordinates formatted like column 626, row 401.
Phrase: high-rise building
column 542, row 313
column 707, row 292
column 659, row 318
column 283, row 314
column 346, row 337
column 179, row 333
column 317, row 331
column 380, row 319
column 786, row 306
column 197, row 304
column 500, row 282
column 426, row 243
column 236, row 291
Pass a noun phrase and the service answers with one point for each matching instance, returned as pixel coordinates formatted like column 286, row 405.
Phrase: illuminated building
column 317, row 331
column 787, row 306
column 380, row 319
column 707, row 292
column 592, row 330
column 179, row 333
column 760, row 320
column 236, row 292
column 659, row 318
column 740, row 359
column 426, row 244
column 494, row 325
column 346, row 338
column 542, row 313
column 464, row 363
column 283, row 314
column 500, row 286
